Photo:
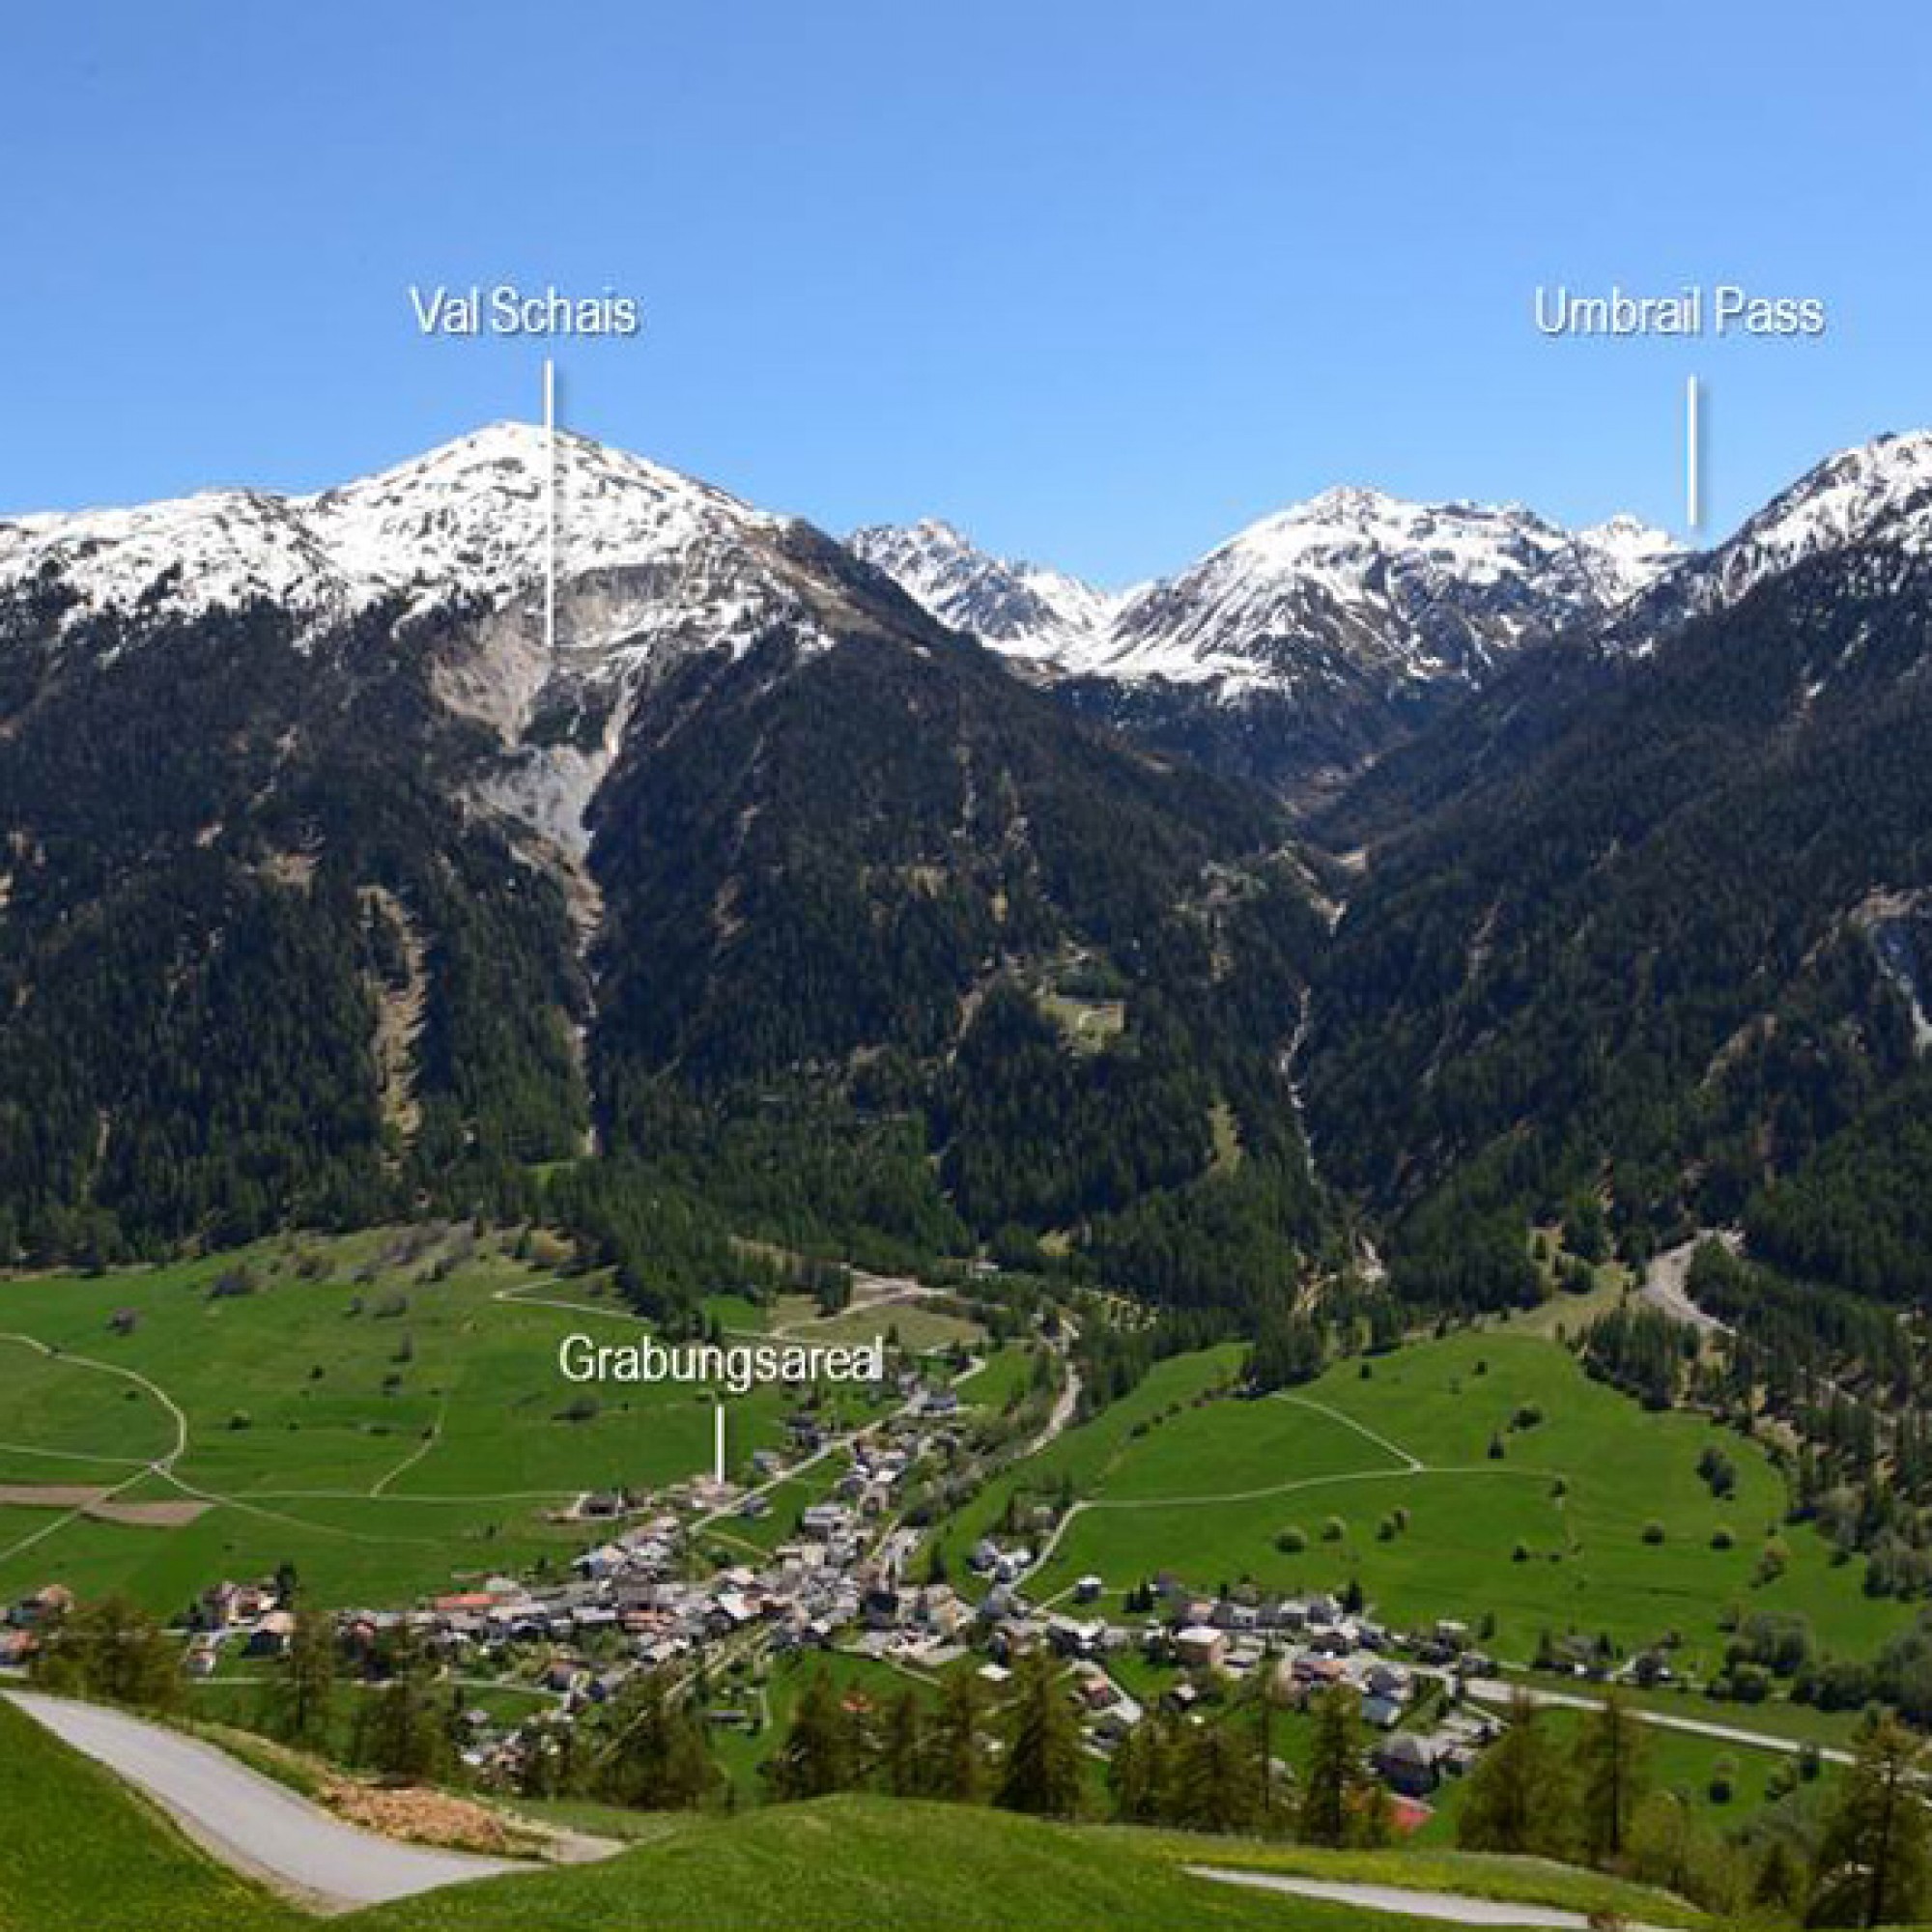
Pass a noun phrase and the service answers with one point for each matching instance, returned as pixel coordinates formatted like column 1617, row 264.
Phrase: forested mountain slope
column 764, row 902
column 1669, row 956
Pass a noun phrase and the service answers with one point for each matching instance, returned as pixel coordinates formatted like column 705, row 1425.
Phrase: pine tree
column 901, row 1740
column 659, row 1759
column 1042, row 1767
column 397, row 1733
column 1338, row 1780
column 1263, row 1694
column 1778, row 1882
column 301, row 1699
column 1137, row 1778
column 1616, row 1777
column 956, row 1752
column 1216, row 1784
column 113, row 1650
column 1874, row 1858
column 1520, row 1797
column 819, row 1752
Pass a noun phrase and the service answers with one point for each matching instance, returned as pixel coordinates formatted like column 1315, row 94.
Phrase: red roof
column 1409, row 1814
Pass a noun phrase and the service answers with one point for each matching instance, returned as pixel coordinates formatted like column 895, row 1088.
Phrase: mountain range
column 888, row 898
column 1306, row 643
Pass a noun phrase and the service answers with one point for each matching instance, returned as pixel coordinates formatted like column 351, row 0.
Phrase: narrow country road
column 1452, row 1908
column 251, row 1822
column 1497, row 1690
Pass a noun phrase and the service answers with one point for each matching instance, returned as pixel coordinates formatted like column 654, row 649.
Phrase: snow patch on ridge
column 468, row 520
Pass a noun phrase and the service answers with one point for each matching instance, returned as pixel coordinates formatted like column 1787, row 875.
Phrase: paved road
column 1497, row 1690
column 1454, row 1908
column 249, row 1821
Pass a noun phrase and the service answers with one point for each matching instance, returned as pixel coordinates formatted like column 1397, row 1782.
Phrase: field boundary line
column 161, row 1465
column 1298, row 1487
column 1347, row 1421
column 415, row 1455
column 174, row 1409
column 73, row 1456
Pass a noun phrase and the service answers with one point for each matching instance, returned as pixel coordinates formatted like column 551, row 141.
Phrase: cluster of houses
column 636, row 1600
column 249, row 1615
column 26, row 1619
column 1307, row 1644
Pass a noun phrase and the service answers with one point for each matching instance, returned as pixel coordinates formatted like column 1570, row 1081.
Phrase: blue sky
column 1100, row 282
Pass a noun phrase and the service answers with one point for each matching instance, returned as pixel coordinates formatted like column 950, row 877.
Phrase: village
column 648, row 1595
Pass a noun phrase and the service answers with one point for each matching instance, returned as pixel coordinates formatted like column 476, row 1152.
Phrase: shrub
column 1292, row 1540
column 1334, row 1530
column 1653, row 1531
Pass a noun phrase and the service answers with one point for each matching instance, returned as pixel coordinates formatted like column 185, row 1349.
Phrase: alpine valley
column 892, row 901
column 1369, row 1103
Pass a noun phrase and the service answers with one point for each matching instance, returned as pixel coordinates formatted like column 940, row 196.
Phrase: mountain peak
column 1359, row 584
column 1874, row 492
column 1022, row 608
column 470, row 517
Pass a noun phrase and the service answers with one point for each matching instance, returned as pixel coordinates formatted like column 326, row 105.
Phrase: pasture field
column 1006, row 1374
column 383, row 1411
column 1083, row 1459
column 1592, row 1517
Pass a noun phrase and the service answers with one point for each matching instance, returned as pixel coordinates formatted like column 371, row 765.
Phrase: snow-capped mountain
column 1307, row 643
column 1405, row 594
column 1023, row 609
column 450, row 549
column 1625, row 556
column 327, row 887
column 1354, row 583
column 1878, row 493
column 644, row 554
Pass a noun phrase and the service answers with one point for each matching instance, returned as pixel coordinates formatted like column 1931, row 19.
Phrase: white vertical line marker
column 719, row 1453
column 1694, row 480
column 550, row 506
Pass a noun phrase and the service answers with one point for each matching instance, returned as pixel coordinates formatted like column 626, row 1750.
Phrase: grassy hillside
column 849, row 1863
column 1550, row 1534
column 79, row 1853
column 388, row 1415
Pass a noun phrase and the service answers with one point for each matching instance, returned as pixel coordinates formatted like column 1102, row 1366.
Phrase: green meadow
column 1593, row 1517
column 80, row 1852
column 387, row 1415
column 845, row 1863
